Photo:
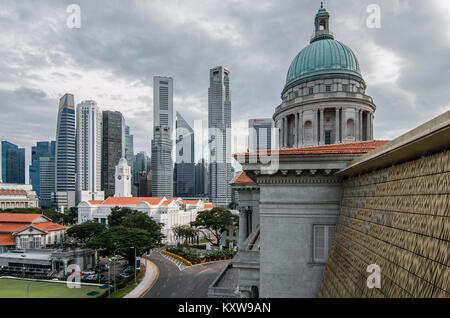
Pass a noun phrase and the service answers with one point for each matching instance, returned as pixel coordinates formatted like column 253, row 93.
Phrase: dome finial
column 321, row 4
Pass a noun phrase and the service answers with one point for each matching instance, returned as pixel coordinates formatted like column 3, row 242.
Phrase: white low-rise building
column 13, row 196
column 169, row 211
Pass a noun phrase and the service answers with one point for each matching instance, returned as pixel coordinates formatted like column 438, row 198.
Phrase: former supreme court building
column 341, row 201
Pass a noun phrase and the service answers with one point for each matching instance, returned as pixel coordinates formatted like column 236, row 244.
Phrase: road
column 192, row 282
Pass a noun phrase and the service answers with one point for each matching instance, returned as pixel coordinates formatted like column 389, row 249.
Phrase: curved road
column 192, row 282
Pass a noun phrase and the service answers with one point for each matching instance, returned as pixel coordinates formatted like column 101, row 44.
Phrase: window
column 308, row 130
column 327, row 137
column 327, row 88
column 350, row 128
column 323, row 239
column 345, row 87
column 311, row 90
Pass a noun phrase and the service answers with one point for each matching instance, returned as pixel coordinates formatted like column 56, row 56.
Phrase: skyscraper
column 201, row 179
column 185, row 162
column 129, row 147
column 260, row 134
column 42, row 149
column 13, row 163
column 112, row 148
column 162, row 165
column 65, row 158
column 47, row 180
column 219, row 121
column 89, row 151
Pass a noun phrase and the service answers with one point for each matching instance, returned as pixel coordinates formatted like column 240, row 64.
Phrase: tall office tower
column 47, row 180
column 219, row 140
column 42, row 149
column 65, row 157
column 145, row 184
column 129, row 147
column 89, row 151
column 201, row 179
column 112, row 148
column 13, row 163
column 185, row 162
column 260, row 134
column 162, row 166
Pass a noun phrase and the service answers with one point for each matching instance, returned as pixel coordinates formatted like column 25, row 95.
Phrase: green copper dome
column 324, row 57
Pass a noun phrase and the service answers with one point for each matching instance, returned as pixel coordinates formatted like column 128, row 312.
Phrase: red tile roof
column 12, row 227
column 12, row 192
column 128, row 201
column 7, row 239
column 190, row 201
column 48, row 226
column 243, row 178
column 95, row 201
column 19, row 217
column 208, row 206
column 344, row 148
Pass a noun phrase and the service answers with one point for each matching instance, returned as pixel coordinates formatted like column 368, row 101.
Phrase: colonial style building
column 14, row 196
column 170, row 211
column 341, row 201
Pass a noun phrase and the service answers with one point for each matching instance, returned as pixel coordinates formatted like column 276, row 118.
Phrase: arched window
column 350, row 128
column 308, row 130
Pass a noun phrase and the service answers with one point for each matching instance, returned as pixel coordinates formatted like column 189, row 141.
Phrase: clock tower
column 123, row 179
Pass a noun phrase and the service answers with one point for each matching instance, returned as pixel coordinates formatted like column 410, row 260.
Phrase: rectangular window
column 311, row 90
column 345, row 87
column 327, row 137
column 327, row 88
column 323, row 239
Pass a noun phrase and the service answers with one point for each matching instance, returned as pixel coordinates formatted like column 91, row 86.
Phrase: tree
column 115, row 218
column 139, row 220
column 120, row 239
column 86, row 231
column 185, row 231
column 215, row 221
column 70, row 216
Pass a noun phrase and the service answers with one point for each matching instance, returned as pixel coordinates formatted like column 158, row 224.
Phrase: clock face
column 119, row 177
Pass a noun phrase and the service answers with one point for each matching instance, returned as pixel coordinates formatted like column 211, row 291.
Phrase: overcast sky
column 121, row 45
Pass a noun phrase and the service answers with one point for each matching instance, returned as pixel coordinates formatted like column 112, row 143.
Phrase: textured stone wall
column 399, row 219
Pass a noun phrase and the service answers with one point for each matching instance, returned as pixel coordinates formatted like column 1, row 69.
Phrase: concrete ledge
column 150, row 278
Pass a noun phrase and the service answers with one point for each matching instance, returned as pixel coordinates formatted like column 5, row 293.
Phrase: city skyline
column 47, row 74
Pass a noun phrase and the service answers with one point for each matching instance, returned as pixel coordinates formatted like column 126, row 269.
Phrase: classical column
column 371, row 126
column 285, row 132
column 338, row 128
column 315, row 129
column 296, row 130
column 368, row 125
column 322, row 133
column 242, row 227
column 360, row 125
column 300, row 129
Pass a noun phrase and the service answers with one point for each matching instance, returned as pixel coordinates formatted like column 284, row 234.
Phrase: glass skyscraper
column 42, row 149
column 185, row 164
column 13, row 163
column 113, row 148
column 219, row 131
column 162, row 143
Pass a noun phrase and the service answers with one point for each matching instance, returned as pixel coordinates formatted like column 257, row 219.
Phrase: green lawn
column 13, row 288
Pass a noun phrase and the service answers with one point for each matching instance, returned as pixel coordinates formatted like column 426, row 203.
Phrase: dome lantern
column 322, row 24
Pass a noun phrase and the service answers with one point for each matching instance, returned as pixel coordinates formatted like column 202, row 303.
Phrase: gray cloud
column 256, row 40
